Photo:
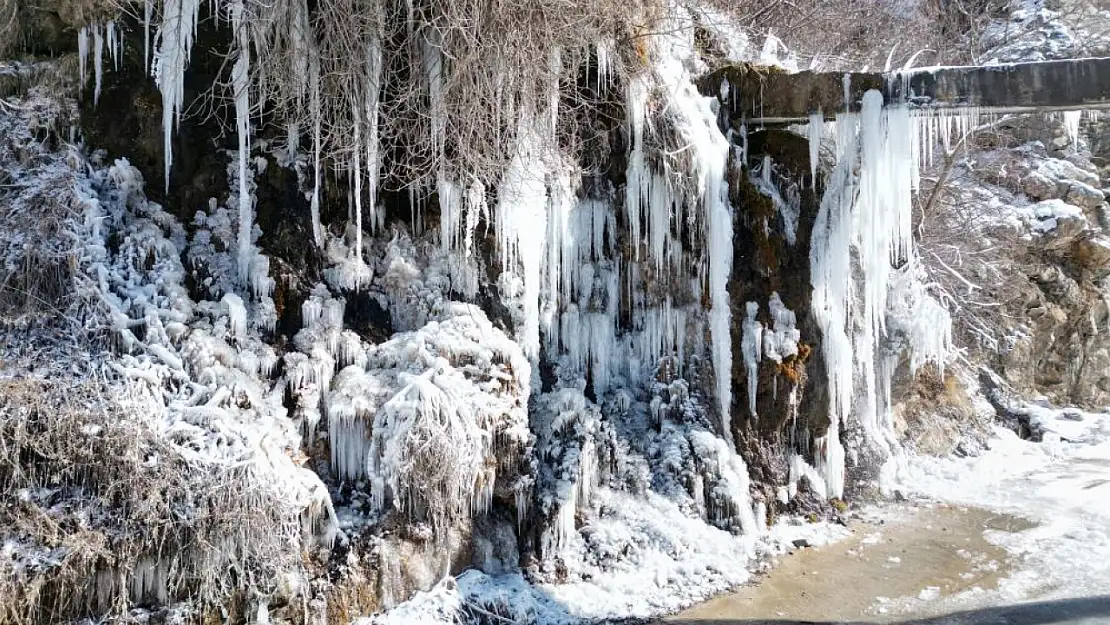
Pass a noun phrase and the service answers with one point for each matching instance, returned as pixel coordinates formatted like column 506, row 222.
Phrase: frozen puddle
column 897, row 561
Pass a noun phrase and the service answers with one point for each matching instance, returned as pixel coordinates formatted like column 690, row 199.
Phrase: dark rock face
column 126, row 121
column 791, row 398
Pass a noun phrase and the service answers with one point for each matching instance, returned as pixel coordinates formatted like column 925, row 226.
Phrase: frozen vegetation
column 529, row 374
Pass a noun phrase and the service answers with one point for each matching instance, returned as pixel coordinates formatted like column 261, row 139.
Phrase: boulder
column 1084, row 196
column 1039, row 187
column 1092, row 255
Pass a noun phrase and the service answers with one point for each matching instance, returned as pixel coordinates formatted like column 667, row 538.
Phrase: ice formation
column 1071, row 126
column 193, row 377
column 241, row 89
column 422, row 416
column 751, row 347
column 867, row 220
column 175, row 37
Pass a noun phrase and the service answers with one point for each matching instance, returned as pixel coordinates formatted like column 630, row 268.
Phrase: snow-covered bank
column 1061, row 484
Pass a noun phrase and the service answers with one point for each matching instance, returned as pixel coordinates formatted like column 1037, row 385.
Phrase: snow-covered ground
column 1061, row 484
column 665, row 561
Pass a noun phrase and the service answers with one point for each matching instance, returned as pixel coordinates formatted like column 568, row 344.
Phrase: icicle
column 476, row 208
column 751, row 345
column 604, row 51
column 148, row 6
column 237, row 315
column 176, row 35
column 241, row 86
column 816, row 124
column 83, row 55
column 637, row 167
column 1071, row 126
column 114, row 45
column 98, row 61
column 356, row 177
column 316, row 114
column 373, row 90
column 451, row 212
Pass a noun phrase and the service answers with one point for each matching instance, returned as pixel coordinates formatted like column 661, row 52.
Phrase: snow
column 440, row 604
column 1046, row 215
column 1059, row 484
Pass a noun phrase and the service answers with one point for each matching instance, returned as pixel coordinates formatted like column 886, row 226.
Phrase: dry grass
column 39, row 209
column 92, row 497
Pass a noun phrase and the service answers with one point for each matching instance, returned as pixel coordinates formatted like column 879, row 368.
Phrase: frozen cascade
column 871, row 218
column 522, row 226
column 788, row 208
column 816, row 126
column 831, row 274
column 697, row 118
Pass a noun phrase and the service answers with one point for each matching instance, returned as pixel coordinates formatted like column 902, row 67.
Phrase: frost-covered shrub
column 436, row 419
column 39, row 206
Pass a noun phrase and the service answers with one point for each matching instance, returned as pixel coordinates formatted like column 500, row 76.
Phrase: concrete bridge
column 764, row 95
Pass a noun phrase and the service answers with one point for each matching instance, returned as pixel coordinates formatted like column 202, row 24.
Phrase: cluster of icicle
column 664, row 280
column 561, row 249
column 775, row 343
column 566, row 426
column 424, row 416
column 865, row 220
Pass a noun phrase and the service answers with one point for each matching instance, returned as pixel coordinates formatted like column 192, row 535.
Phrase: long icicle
column 240, row 83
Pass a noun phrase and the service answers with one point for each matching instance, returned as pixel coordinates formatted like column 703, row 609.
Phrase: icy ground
column 1061, row 484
